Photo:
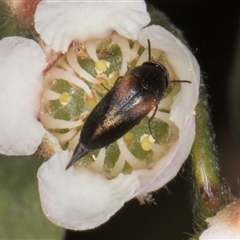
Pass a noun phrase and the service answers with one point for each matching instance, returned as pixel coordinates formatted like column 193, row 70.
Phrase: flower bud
column 225, row 225
column 22, row 11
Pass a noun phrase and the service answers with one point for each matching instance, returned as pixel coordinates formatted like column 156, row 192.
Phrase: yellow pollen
column 64, row 98
column 101, row 65
column 128, row 138
column 91, row 101
column 146, row 142
column 102, row 86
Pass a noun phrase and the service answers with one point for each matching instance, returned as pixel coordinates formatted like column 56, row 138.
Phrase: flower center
column 78, row 81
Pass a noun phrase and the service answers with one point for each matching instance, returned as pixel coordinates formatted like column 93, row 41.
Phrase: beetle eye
column 166, row 79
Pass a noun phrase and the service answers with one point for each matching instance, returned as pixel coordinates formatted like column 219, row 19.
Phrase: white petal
column 186, row 68
column 225, row 225
column 168, row 166
column 79, row 198
column 22, row 63
column 218, row 232
column 60, row 22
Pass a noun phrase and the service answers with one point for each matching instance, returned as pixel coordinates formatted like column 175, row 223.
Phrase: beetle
column 131, row 98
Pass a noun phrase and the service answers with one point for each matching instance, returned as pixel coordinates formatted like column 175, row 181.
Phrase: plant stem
column 210, row 192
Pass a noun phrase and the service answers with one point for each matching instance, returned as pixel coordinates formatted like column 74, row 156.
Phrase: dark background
column 211, row 28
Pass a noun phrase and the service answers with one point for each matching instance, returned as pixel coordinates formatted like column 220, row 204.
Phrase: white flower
column 60, row 22
column 22, row 64
column 80, row 198
column 225, row 225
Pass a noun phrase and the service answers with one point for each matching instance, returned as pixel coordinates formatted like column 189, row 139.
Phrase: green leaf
column 21, row 216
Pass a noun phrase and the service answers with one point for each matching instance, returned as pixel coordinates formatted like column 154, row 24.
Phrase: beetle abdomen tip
column 80, row 151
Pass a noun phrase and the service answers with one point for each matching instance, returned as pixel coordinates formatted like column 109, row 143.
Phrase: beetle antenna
column 180, row 81
column 149, row 50
column 151, row 118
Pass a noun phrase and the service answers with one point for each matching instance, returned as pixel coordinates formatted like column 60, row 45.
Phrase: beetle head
column 153, row 77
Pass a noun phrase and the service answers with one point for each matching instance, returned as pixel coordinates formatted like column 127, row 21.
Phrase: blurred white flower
column 225, row 225
column 80, row 198
column 22, row 11
column 22, row 64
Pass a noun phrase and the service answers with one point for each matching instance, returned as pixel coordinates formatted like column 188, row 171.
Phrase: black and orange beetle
column 131, row 98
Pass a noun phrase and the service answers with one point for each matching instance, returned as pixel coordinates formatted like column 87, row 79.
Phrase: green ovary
column 74, row 107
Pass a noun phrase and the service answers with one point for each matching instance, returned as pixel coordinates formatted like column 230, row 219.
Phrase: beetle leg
column 104, row 87
column 150, row 119
column 163, row 110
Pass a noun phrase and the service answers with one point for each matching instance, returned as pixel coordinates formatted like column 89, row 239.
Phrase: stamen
column 48, row 95
column 159, row 150
column 65, row 137
column 63, row 64
column 134, row 51
column 57, row 73
column 165, row 117
column 91, row 101
column 129, row 157
column 72, row 60
column 64, row 98
column 128, row 138
column 125, row 48
column 91, row 47
column 99, row 162
column 167, row 101
column 119, row 165
column 143, row 57
column 101, row 66
column 51, row 123
column 147, row 142
column 73, row 142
